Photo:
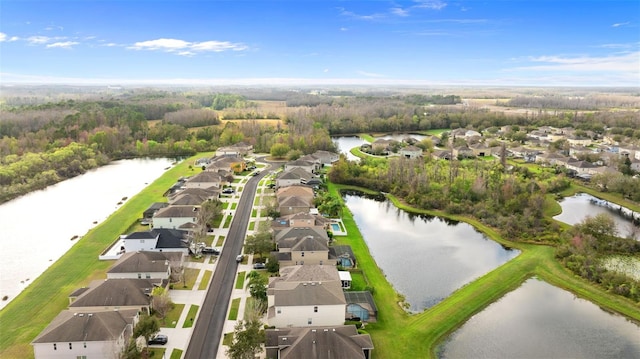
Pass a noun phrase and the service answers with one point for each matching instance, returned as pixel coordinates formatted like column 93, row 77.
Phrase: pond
column 576, row 208
column 539, row 320
column 424, row 258
column 38, row 227
column 346, row 143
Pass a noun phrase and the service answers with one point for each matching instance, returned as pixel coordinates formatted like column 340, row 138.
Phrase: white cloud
column 618, row 62
column 619, row 24
column 344, row 29
column 62, row 45
column 370, row 74
column 14, row 38
column 3, row 36
column 430, row 4
column 38, row 39
column 398, row 11
column 325, row 70
column 186, row 48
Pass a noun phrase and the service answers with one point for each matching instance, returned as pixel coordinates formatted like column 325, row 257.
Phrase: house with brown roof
column 304, row 245
column 295, row 191
column 324, row 342
column 302, row 219
column 145, row 264
column 304, row 297
column 294, row 176
column 237, row 149
column 115, row 294
column 100, row 334
column 233, row 163
column 410, row 152
column 205, row 179
column 309, row 166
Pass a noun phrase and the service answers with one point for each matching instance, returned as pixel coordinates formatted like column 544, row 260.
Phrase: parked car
column 159, row 339
column 209, row 250
column 239, row 258
column 228, row 190
column 259, row 266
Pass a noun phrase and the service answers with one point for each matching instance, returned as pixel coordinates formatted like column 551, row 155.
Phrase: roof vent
column 326, row 330
column 91, row 315
column 81, row 315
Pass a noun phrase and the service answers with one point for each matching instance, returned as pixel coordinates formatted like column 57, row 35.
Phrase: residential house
column 551, row 158
column 153, row 208
column 462, row 151
column 205, row 179
column 115, row 294
column 578, row 141
column 528, row 154
column 145, row 264
column 302, row 219
column 306, row 296
column 175, row 217
column 581, row 167
column 293, row 204
column 382, row 146
column 294, row 176
column 480, row 150
column 156, row 240
column 631, row 151
column 308, row 166
column 297, row 246
column 205, row 193
column 326, row 342
column 295, row 191
column 441, row 155
column 411, row 152
column 100, row 334
column 326, row 157
column 237, row 149
column 233, row 163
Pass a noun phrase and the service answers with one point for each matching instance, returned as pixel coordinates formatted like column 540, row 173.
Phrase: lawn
column 205, row 280
column 190, row 276
column 227, row 222
column 172, row 317
column 233, row 311
column 240, row 280
column 220, row 241
column 176, row 354
column 48, row 294
column 193, row 310
column 252, row 225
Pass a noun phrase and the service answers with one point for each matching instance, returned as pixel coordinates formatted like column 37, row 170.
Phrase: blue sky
column 425, row 42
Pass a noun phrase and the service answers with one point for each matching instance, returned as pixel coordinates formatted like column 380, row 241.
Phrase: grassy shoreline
column 398, row 334
column 34, row 308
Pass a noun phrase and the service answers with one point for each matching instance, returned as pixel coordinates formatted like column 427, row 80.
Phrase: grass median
column 34, row 308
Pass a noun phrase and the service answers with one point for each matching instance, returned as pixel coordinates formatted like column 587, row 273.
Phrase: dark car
column 258, row 266
column 209, row 250
column 159, row 339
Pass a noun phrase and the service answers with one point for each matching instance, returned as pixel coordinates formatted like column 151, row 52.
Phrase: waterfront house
column 157, row 240
column 145, row 264
column 334, row 342
column 100, row 334
column 115, row 294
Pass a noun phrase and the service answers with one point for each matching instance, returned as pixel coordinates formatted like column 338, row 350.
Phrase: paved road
column 207, row 331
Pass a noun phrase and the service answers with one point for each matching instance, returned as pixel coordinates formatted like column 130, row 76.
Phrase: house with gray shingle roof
column 294, row 176
column 305, row 303
column 309, row 166
column 145, row 264
column 173, row 217
column 157, row 240
column 326, row 342
column 101, row 334
column 116, row 294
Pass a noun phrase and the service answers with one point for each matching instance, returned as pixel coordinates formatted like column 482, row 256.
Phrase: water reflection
column 37, row 228
column 539, row 320
column 425, row 258
column 576, row 208
column 346, row 143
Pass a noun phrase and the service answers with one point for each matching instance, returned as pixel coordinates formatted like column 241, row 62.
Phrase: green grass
column 233, row 311
column 48, row 294
column 220, row 241
column 225, row 205
column 234, row 205
column 172, row 317
column 227, row 222
column 398, row 334
column 358, row 281
column 240, row 280
column 227, row 339
column 252, row 225
column 254, row 213
column 437, row 132
column 205, row 280
column 176, row 354
column 191, row 316
column 156, row 352
column 256, row 201
column 190, row 276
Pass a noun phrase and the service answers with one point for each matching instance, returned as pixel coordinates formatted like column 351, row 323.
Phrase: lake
column 37, row 228
column 576, row 208
column 424, row 258
column 346, row 143
column 538, row 320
